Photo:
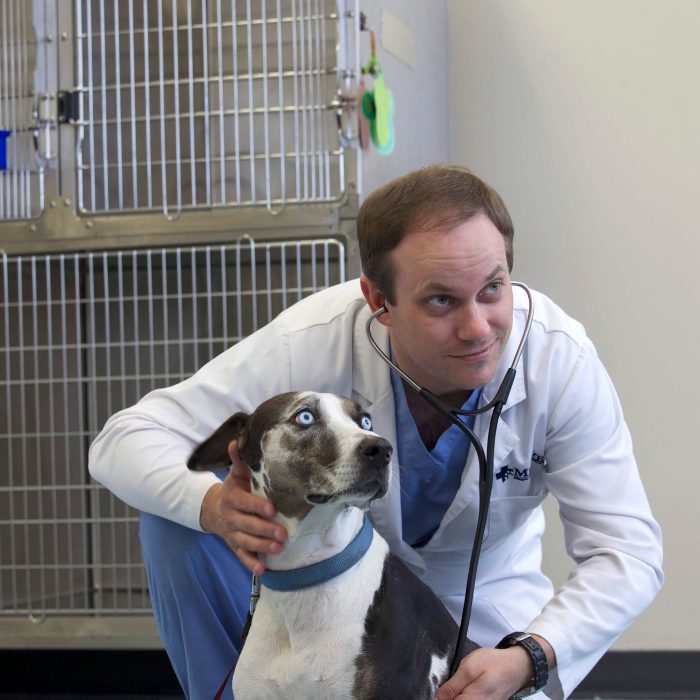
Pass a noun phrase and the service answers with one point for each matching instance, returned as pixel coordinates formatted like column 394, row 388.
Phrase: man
column 437, row 250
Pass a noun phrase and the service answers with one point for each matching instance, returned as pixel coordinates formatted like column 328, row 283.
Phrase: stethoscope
column 485, row 460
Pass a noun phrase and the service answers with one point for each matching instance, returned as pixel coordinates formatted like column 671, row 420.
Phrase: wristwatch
column 539, row 662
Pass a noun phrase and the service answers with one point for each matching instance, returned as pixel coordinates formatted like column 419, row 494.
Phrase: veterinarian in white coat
column 561, row 432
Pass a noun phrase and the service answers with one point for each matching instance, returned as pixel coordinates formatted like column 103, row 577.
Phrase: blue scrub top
column 429, row 480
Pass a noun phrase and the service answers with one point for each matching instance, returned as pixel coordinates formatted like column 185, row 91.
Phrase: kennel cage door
column 82, row 336
column 197, row 105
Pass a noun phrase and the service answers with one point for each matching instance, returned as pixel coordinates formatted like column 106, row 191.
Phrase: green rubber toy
column 383, row 132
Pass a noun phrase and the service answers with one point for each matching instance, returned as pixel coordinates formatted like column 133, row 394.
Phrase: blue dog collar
column 322, row 571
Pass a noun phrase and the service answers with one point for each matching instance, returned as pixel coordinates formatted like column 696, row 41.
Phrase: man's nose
column 473, row 324
column 377, row 450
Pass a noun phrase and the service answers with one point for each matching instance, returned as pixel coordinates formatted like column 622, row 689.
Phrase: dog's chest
column 304, row 645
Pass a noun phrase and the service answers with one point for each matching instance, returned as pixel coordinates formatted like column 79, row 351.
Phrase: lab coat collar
column 517, row 391
column 371, row 377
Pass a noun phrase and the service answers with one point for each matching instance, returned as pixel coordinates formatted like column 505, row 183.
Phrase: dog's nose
column 377, row 450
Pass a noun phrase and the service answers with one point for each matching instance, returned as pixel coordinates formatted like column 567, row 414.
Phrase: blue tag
column 3, row 149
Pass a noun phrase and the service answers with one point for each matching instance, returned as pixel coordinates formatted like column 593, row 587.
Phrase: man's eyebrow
column 441, row 287
column 496, row 271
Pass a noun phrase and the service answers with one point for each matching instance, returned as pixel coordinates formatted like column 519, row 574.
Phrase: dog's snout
column 377, row 450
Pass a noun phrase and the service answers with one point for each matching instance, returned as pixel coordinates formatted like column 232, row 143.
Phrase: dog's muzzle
column 377, row 451
column 374, row 475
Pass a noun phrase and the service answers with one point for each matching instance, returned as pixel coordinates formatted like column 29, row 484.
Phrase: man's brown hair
column 435, row 198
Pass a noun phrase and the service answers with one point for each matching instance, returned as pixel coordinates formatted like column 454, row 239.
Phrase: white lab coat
column 562, row 406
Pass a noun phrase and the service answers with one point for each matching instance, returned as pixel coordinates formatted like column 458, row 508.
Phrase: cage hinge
column 68, row 106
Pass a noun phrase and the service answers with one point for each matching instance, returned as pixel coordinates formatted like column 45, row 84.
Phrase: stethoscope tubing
column 485, row 460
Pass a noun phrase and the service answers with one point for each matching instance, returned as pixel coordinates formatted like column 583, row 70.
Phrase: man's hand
column 493, row 674
column 231, row 511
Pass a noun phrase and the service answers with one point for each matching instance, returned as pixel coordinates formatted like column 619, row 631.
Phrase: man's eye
column 366, row 423
column 305, row 418
column 493, row 288
column 440, row 301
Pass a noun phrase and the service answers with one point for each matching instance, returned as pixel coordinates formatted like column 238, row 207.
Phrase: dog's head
column 304, row 449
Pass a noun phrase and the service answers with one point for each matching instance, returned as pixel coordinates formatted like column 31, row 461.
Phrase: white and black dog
column 371, row 633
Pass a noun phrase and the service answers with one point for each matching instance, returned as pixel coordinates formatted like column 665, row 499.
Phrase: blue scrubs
column 200, row 594
column 200, row 591
column 429, row 480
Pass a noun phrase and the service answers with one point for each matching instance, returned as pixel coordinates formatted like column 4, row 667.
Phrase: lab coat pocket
column 508, row 514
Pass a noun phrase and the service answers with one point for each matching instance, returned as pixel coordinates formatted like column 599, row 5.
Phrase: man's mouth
column 475, row 357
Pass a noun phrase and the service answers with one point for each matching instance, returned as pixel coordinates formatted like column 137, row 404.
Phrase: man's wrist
column 548, row 650
column 208, row 515
column 522, row 667
column 530, row 674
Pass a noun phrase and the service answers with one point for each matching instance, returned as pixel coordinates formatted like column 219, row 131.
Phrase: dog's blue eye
column 366, row 423
column 305, row 417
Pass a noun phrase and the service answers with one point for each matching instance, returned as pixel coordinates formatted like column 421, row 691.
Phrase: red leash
column 254, row 597
column 223, row 685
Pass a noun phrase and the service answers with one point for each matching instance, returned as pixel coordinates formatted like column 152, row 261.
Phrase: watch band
column 539, row 661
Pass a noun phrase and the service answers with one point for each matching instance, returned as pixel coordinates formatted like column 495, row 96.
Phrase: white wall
column 585, row 116
column 421, row 96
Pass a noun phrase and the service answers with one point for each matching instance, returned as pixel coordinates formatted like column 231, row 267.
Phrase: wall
column 584, row 116
column 421, row 96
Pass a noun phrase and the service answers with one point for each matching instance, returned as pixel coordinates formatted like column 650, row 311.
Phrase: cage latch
column 68, row 106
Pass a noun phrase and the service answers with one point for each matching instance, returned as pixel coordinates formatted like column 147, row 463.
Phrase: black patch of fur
column 212, row 454
column 405, row 625
column 268, row 414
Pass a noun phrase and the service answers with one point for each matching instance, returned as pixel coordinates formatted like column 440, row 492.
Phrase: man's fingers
column 246, row 516
column 241, row 472
column 250, row 561
column 455, row 686
column 446, row 692
column 250, row 543
column 259, row 527
column 236, row 461
column 247, row 502
column 236, row 493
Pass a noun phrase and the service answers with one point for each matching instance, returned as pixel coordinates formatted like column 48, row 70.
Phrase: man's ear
column 212, row 454
column 375, row 299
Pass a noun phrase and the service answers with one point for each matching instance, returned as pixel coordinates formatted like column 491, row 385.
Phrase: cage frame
column 62, row 227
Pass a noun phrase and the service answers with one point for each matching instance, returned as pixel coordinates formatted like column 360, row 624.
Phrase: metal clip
column 43, row 130
column 255, row 593
column 68, row 106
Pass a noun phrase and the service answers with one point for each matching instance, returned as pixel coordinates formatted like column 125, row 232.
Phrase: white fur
column 303, row 644
column 438, row 669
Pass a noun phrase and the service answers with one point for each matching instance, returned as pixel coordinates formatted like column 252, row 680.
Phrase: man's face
column 454, row 305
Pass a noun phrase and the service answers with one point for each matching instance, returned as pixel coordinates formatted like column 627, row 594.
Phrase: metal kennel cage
column 175, row 173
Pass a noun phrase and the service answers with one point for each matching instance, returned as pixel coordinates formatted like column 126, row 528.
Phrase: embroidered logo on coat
column 518, row 474
column 503, row 473
column 537, row 459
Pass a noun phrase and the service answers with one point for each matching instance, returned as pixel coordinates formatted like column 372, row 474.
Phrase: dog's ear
column 212, row 454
